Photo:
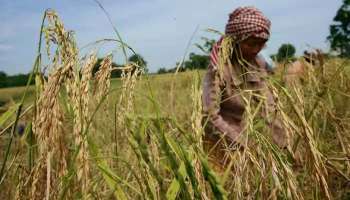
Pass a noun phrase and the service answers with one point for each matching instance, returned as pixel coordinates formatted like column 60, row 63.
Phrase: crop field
column 75, row 135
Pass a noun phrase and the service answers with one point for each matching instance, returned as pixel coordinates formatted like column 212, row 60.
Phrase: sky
column 159, row 30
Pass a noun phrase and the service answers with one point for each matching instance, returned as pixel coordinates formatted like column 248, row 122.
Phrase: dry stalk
column 126, row 100
column 102, row 82
column 48, row 129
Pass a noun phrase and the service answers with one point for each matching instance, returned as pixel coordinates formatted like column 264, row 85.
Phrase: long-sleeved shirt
column 223, row 99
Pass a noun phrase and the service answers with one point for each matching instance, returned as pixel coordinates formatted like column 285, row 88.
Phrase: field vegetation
column 87, row 136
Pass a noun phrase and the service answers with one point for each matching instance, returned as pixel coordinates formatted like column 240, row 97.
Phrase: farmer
column 296, row 70
column 235, row 68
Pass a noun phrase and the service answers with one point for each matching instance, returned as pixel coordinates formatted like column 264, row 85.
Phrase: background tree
column 339, row 37
column 139, row 60
column 285, row 52
column 162, row 70
column 18, row 80
column 114, row 73
column 197, row 61
column 3, row 79
column 14, row 80
column 200, row 61
column 207, row 46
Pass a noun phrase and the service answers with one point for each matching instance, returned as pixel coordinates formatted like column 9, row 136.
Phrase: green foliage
column 197, row 61
column 114, row 73
column 339, row 37
column 136, row 58
column 3, row 79
column 13, row 81
column 139, row 60
column 285, row 52
column 18, row 80
column 207, row 46
column 162, row 70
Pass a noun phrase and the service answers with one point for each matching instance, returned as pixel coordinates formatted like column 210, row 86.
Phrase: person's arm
column 211, row 104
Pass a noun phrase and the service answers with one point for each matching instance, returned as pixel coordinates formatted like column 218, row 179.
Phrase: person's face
column 251, row 47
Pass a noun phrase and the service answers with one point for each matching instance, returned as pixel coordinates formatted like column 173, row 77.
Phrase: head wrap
column 245, row 22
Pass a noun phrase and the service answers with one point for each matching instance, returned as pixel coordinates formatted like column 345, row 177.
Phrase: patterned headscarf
column 245, row 22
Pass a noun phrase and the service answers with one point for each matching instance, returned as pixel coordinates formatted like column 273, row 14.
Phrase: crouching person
column 236, row 69
column 298, row 69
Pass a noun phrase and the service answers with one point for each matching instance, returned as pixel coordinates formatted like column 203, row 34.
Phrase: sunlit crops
column 140, row 137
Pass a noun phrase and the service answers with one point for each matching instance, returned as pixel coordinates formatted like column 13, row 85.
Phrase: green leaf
column 174, row 187
column 4, row 117
column 109, row 176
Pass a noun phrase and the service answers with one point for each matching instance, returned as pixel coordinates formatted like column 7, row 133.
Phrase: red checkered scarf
column 243, row 23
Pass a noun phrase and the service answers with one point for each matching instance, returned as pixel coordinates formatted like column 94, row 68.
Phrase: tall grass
column 140, row 137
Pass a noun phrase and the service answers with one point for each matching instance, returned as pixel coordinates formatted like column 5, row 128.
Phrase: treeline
column 13, row 80
column 135, row 58
column 201, row 61
column 195, row 61
column 286, row 53
column 22, row 79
